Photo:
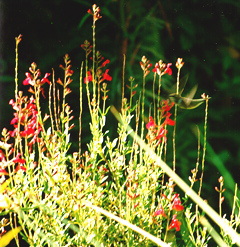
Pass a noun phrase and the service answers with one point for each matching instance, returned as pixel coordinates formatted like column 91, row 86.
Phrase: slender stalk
column 123, row 77
column 55, row 107
column 158, row 97
column 18, row 40
column 94, row 64
column 204, row 146
column 50, row 101
column 154, row 96
column 143, row 104
column 80, row 110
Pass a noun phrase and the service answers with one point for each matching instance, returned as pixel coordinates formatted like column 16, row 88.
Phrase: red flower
column 90, row 12
column 13, row 132
column 105, row 63
column 106, row 76
column 3, row 172
column 20, row 167
column 162, row 68
column 156, row 69
column 28, row 80
column 168, row 70
column 14, row 121
column 45, row 78
column 88, row 78
column 166, row 107
column 95, row 12
column 175, row 223
column 26, row 117
column 69, row 72
column 160, row 211
column 2, row 156
column 151, row 124
column 156, row 132
column 17, row 159
column 26, row 133
column 161, row 133
column 169, row 121
column 176, row 204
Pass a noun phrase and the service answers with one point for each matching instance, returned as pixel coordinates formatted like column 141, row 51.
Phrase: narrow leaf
column 6, row 239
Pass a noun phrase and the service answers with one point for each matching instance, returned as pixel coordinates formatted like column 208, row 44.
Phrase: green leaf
column 83, row 20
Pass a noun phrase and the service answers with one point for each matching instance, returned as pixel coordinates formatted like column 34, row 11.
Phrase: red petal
column 151, row 123
column 20, row 167
column 3, row 172
column 169, row 121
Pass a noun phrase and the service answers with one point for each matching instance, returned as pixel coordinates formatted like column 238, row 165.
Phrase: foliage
column 117, row 191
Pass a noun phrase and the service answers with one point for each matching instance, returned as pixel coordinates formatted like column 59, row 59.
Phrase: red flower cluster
column 19, row 161
column 158, row 132
column 30, row 80
column 172, row 205
column 25, row 119
column 162, row 68
column 104, row 77
column 95, row 12
column 175, row 223
column 101, row 76
column 176, row 203
column 3, row 172
column 160, row 211
column 33, row 79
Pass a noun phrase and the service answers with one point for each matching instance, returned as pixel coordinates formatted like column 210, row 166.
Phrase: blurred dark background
column 206, row 34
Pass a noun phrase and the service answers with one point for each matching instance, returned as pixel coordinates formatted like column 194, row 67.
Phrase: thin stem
column 175, row 119
column 174, row 137
column 123, row 77
column 158, row 96
column 143, row 104
column 80, row 110
column 154, row 97
column 94, row 62
column 17, row 39
column 50, row 101
column 204, row 146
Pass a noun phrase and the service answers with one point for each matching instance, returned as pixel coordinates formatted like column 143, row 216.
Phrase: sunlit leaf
column 6, row 239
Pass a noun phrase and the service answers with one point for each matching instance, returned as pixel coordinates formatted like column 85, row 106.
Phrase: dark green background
column 205, row 33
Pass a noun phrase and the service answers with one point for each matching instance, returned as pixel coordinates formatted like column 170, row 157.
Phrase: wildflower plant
column 117, row 192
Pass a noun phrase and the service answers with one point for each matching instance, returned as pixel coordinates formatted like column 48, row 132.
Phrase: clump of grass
column 117, row 192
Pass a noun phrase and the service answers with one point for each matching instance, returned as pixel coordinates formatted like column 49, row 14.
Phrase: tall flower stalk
column 179, row 65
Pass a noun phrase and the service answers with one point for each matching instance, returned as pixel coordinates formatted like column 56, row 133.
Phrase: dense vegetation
column 204, row 33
